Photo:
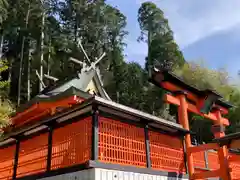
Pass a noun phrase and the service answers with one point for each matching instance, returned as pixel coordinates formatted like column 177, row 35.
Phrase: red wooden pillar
column 183, row 119
column 223, row 151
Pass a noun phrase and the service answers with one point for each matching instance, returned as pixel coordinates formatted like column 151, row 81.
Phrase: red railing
column 166, row 152
column 72, row 144
column 6, row 162
column 121, row 143
column 199, row 160
column 33, row 155
column 235, row 166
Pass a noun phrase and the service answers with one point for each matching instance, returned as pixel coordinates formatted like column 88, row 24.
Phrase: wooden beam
column 29, row 119
column 192, row 108
column 235, row 144
column 203, row 147
column 173, row 88
column 234, row 158
column 21, row 114
column 172, row 100
column 207, row 174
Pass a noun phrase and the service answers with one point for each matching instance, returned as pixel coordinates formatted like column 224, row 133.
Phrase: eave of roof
column 169, row 76
column 227, row 139
column 45, row 98
column 137, row 113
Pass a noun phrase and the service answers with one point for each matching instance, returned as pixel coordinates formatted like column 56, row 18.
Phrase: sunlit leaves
column 5, row 106
column 199, row 75
column 3, row 10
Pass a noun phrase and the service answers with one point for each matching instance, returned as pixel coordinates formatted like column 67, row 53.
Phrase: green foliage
column 101, row 28
column 98, row 25
column 162, row 49
column 162, row 52
column 151, row 19
column 6, row 107
column 3, row 67
column 198, row 75
column 3, row 10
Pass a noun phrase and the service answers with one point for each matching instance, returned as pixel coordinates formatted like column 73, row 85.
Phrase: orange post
column 198, row 100
column 222, row 151
column 183, row 119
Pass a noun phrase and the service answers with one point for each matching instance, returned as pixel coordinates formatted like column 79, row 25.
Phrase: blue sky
column 203, row 29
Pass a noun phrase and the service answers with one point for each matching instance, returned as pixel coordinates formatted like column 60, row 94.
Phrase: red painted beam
column 203, row 147
column 36, row 117
column 41, row 109
column 207, row 174
column 192, row 108
column 173, row 88
column 22, row 114
column 234, row 158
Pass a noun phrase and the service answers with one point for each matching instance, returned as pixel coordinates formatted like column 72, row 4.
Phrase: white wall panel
column 104, row 174
column 80, row 175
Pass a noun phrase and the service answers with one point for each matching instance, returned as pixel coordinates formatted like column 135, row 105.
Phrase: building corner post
column 49, row 153
column 15, row 165
column 95, row 132
column 147, row 146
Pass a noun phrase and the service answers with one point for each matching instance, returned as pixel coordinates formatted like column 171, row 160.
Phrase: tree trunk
column 49, row 57
column 98, row 53
column 21, row 58
column 10, row 69
column 1, row 45
column 149, row 63
column 42, row 52
column 9, row 73
column 29, row 73
column 75, row 31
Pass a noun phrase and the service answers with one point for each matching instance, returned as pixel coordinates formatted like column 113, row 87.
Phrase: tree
column 101, row 28
column 131, row 86
column 115, row 31
column 3, row 16
column 162, row 50
column 198, row 75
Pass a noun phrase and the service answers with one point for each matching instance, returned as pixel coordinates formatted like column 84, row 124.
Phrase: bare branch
column 50, row 77
column 39, row 78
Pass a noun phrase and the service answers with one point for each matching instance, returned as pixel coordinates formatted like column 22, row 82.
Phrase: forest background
column 42, row 34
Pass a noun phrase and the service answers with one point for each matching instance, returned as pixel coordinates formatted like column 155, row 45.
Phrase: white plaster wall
column 79, row 175
column 104, row 174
